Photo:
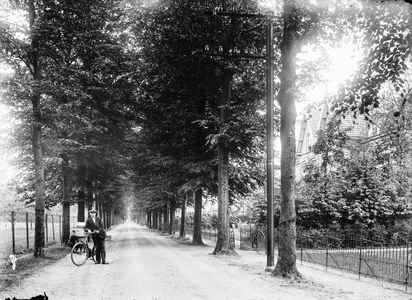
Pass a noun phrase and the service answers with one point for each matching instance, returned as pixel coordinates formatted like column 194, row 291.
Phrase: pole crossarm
column 235, row 55
column 217, row 12
column 234, row 14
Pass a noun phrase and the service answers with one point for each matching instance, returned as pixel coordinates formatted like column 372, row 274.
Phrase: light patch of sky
column 343, row 60
column 5, row 126
column 6, row 169
column 343, row 65
column 16, row 19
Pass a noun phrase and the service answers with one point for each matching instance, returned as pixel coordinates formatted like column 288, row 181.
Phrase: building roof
column 317, row 114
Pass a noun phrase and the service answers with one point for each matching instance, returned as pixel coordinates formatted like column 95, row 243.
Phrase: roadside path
column 147, row 265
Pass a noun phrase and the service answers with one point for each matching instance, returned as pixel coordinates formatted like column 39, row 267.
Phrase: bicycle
column 81, row 252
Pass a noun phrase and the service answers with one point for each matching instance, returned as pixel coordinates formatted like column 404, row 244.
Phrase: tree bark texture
column 155, row 221
column 166, row 218
column 66, row 199
column 182, row 233
column 105, row 218
column 286, row 263
column 172, row 216
column 109, row 219
column 223, row 239
column 80, row 206
column 197, row 218
column 37, row 135
column 159, row 219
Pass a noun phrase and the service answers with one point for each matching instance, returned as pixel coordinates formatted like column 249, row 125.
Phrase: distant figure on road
column 94, row 224
column 73, row 239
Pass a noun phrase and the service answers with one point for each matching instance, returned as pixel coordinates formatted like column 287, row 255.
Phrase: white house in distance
column 315, row 117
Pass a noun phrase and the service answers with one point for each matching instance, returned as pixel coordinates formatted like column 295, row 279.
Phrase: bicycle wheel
column 79, row 253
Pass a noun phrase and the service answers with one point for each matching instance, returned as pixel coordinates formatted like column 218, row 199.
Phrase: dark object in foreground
column 39, row 297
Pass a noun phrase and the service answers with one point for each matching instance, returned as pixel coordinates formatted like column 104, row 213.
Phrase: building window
column 308, row 143
column 301, row 137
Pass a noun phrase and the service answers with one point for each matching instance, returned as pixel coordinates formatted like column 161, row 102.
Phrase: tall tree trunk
column 105, row 219
column 155, row 219
column 66, row 199
column 172, row 216
column 159, row 219
column 80, row 206
column 109, row 221
column 197, row 218
column 148, row 216
column 182, row 233
column 89, row 196
column 150, row 219
column 286, row 263
column 166, row 218
column 223, row 239
column 37, row 135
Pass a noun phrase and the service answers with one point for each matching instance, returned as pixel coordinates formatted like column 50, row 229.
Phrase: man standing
column 94, row 224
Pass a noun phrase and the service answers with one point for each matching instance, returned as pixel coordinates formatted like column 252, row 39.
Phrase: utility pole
column 270, row 151
column 269, row 115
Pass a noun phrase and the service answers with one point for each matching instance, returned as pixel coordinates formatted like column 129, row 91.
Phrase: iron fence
column 253, row 238
column 211, row 234
column 18, row 230
column 360, row 256
column 351, row 253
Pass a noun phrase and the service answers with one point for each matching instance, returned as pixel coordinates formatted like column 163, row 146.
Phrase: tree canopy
column 145, row 101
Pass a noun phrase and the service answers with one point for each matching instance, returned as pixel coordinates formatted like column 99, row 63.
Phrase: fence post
column 47, row 230
column 251, row 238
column 360, row 257
column 60, row 228
column 12, row 232
column 54, row 237
column 327, row 252
column 301, row 255
column 407, row 267
column 27, row 230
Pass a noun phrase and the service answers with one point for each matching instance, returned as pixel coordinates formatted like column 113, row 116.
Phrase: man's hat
column 93, row 211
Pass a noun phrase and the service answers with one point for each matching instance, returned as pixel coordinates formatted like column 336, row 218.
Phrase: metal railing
column 17, row 233
column 211, row 234
column 360, row 256
column 253, row 238
column 18, row 230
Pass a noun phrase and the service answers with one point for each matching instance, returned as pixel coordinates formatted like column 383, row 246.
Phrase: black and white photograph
column 206, row 149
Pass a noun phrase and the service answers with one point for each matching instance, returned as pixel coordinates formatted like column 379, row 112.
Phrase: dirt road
column 147, row 265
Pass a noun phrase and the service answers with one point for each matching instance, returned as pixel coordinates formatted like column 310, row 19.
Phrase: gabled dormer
column 313, row 118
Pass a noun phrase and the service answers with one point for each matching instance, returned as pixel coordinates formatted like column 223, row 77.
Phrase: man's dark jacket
column 98, row 225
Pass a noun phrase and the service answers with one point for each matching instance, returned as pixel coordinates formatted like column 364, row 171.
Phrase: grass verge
column 27, row 265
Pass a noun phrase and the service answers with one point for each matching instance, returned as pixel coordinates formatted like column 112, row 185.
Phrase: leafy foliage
column 86, row 94
column 386, row 41
column 179, row 98
column 363, row 187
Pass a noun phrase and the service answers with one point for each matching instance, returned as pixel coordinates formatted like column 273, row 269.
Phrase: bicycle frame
column 81, row 252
